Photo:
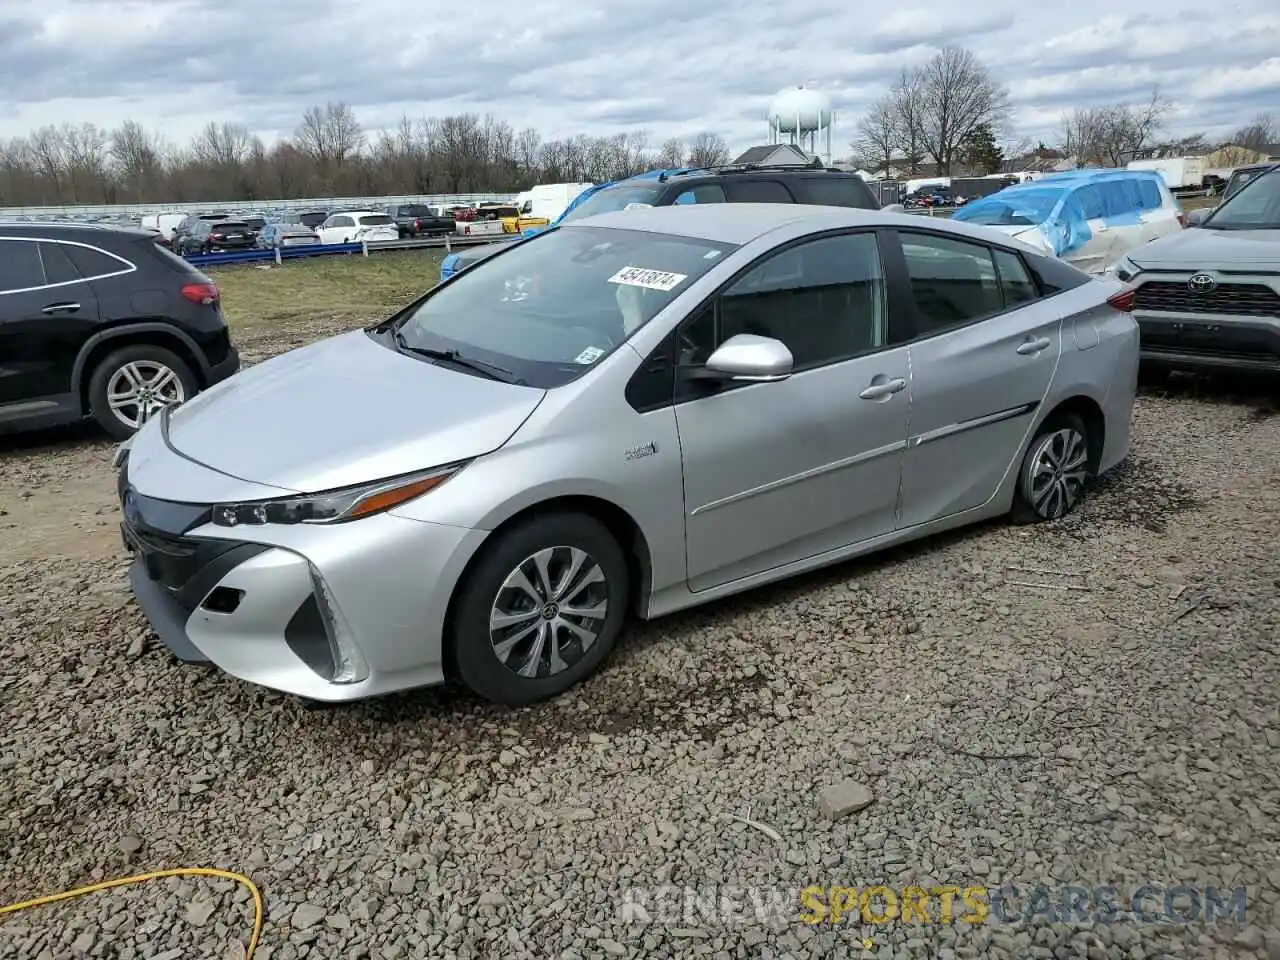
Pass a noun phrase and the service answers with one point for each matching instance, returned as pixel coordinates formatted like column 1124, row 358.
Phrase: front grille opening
column 223, row 600
column 1232, row 299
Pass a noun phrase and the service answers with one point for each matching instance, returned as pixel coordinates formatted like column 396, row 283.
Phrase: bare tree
column 879, row 135
column 957, row 95
column 222, row 145
column 1262, row 132
column 670, row 154
column 331, row 134
column 708, row 150
column 1112, row 135
column 137, row 157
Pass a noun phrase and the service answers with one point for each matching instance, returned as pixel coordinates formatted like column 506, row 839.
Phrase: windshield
column 231, row 225
column 549, row 308
column 376, row 220
column 1255, row 206
column 1007, row 208
column 614, row 198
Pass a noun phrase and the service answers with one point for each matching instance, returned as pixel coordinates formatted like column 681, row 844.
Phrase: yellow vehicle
column 509, row 214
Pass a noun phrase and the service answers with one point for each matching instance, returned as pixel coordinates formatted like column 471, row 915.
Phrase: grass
column 358, row 288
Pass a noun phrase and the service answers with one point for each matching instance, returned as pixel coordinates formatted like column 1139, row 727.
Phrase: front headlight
column 334, row 506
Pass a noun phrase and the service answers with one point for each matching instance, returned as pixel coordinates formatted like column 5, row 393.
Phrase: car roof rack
column 816, row 164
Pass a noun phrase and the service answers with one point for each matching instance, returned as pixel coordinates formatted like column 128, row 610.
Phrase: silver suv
column 1209, row 298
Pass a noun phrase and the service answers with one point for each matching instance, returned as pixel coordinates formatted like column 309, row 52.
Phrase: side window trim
column 126, row 266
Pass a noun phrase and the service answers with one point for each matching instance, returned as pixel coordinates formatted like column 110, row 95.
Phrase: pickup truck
column 509, row 215
column 416, row 220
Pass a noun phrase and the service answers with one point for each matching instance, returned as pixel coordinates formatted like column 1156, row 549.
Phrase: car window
column 953, row 282
column 834, row 191
column 1255, row 206
column 824, row 299
column 58, row 267
column 1091, row 202
column 613, row 198
column 706, row 193
column 759, row 191
column 19, row 265
column 1015, row 282
column 92, row 262
column 376, row 220
column 1016, row 207
column 549, row 308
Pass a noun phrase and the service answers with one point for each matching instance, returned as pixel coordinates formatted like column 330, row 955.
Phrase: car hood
column 344, row 411
column 1205, row 249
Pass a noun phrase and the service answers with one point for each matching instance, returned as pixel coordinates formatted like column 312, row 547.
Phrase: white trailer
column 1179, row 173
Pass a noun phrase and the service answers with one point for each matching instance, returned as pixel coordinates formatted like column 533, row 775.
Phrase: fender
column 78, row 371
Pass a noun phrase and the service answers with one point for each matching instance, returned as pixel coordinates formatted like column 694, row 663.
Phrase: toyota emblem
column 1202, row 283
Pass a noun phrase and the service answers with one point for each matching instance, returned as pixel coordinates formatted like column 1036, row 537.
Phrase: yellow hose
column 156, row 875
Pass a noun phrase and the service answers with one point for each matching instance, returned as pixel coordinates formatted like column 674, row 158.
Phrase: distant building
column 1039, row 161
column 1230, row 155
column 775, row 155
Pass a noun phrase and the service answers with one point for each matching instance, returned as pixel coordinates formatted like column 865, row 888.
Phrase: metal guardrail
column 280, row 254
column 247, row 206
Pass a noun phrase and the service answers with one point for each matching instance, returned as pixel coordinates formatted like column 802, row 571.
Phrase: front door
column 984, row 354
column 779, row 472
column 44, row 319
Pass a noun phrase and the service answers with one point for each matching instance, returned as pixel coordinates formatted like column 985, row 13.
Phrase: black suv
column 105, row 323
column 210, row 236
column 731, row 184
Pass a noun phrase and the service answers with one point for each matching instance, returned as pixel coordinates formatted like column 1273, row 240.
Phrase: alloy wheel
column 140, row 389
column 549, row 612
column 1059, row 468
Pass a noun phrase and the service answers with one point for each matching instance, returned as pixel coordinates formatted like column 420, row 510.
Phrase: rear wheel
column 1054, row 471
column 134, row 384
column 540, row 610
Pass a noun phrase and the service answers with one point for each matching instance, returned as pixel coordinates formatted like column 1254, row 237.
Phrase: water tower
column 800, row 116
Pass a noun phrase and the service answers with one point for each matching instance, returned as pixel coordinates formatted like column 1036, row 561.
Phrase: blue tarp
column 1063, row 204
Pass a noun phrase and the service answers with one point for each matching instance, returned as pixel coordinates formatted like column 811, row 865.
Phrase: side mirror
column 1198, row 216
column 750, row 359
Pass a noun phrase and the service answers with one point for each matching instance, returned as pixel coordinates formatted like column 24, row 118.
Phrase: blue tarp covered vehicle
column 1090, row 218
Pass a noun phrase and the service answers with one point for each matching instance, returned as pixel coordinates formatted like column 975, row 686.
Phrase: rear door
column 1105, row 243
column 983, row 353
column 47, row 311
column 758, row 190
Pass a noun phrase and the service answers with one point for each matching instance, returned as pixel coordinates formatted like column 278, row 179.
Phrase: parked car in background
column 255, row 223
column 730, row 184
column 1090, row 218
column 164, row 223
column 1209, row 299
column 571, row 433
column 275, row 235
column 312, row 218
column 103, row 323
column 416, row 220
column 935, row 195
column 214, row 236
column 358, row 226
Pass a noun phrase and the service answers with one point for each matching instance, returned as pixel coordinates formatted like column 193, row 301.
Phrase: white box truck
column 1180, row 173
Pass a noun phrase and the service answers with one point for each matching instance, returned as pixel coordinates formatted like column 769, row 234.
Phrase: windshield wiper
column 490, row 370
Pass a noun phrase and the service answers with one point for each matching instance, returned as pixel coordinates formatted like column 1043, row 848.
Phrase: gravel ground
column 1091, row 702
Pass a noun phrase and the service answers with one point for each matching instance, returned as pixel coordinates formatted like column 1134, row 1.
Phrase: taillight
column 215, row 236
column 417, row 224
column 202, row 293
column 1182, row 219
column 1124, row 301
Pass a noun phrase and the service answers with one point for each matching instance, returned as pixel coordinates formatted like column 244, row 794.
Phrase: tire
column 1063, row 437
column 473, row 651
column 146, row 360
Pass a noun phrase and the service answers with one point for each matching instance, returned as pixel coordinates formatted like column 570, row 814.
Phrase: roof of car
column 68, row 230
column 740, row 223
column 1090, row 176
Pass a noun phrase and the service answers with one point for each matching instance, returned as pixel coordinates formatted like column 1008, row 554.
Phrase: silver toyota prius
column 624, row 416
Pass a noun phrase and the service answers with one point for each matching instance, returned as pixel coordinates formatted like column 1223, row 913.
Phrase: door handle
column 1033, row 346
column 61, row 308
column 883, row 390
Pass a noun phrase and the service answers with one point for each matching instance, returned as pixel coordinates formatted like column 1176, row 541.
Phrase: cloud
column 663, row 66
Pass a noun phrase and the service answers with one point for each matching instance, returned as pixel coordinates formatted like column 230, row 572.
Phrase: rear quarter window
column 838, row 192
column 91, row 262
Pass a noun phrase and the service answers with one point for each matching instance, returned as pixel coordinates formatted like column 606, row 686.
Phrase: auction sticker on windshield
column 589, row 355
column 649, row 279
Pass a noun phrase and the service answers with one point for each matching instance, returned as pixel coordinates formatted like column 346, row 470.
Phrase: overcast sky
column 669, row 67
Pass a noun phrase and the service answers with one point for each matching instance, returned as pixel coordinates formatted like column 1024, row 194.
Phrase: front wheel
column 1054, row 471
column 134, row 384
column 540, row 610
